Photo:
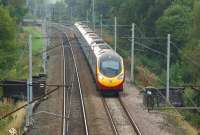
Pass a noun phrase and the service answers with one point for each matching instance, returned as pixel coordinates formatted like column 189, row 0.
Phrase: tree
column 176, row 21
column 17, row 8
column 79, row 7
column 190, row 54
column 7, row 41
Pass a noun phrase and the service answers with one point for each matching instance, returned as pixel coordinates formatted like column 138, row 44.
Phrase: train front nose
column 110, row 72
column 107, row 83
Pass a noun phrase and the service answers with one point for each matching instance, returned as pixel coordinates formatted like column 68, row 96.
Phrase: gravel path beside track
column 149, row 123
column 47, row 124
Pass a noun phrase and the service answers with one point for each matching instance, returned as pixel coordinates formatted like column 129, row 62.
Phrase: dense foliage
column 7, row 41
column 11, row 14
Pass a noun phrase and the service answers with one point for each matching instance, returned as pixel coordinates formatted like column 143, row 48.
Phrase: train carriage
column 107, row 65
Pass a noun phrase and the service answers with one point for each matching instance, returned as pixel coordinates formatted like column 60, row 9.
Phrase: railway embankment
column 20, row 72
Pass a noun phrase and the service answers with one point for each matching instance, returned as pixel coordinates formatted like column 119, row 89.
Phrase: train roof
column 97, row 44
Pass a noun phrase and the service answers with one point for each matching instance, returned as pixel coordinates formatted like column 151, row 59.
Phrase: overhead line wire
column 149, row 48
column 189, row 59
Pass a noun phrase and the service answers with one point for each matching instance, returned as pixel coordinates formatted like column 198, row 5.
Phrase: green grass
column 4, row 108
column 37, row 43
column 37, row 46
column 15, row 120
column 20, row 71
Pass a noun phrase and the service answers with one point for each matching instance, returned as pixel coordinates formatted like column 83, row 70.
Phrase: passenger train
column 106, row 65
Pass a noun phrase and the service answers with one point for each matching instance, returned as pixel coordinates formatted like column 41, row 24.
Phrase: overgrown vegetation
column 13, row 121
column 7, row 42
column 14, row 56
column 14, row 41
column 20, row 69
column 11, row 14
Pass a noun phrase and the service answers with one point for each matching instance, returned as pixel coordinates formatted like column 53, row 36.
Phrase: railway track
column 74, row 115
column 120, row 118
column 121, row 121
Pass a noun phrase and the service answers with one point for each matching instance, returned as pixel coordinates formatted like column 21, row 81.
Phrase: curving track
column 121, row 122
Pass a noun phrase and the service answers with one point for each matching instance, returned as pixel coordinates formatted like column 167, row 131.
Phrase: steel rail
column 69, row 99
column 133, row 123
column 80, row 89
column 64, row 92
column 114, row 128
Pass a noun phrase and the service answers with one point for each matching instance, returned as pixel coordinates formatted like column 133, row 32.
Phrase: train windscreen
column 110, row 66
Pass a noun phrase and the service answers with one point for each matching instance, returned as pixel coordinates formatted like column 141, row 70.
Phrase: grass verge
column 15, row 121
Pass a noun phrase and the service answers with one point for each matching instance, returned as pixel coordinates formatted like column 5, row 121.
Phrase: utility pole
column 87, row 20
column 168, row 66
column 115, row 33
column 93, row 15
column 101, row 25
column 132, row 52
column 45, row 45
column 29, row 84
column 71, row 14
column 28, row 107
column 30, row 71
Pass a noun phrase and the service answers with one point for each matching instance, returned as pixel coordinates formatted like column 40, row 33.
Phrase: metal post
column 71, row 14
column 30, row 73
column 132, row 52
column 87, row 20
column 93, row 15
column 101, row 25
column 168, row 66
column 45, row 46
column 49, row 32
column 28, row 107
column 115, row 33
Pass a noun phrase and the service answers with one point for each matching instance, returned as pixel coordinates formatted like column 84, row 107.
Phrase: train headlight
column 121, row 76
column 100, row 77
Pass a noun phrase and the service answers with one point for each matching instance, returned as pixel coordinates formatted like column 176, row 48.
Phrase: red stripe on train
column 102, row 87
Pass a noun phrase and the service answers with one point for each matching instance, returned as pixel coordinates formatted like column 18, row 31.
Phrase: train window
column 99, row 42
column 88, row 32
column 84, row 26
column 104, row 47
column 95, row 37
column 110, row 66
column 92, row 35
